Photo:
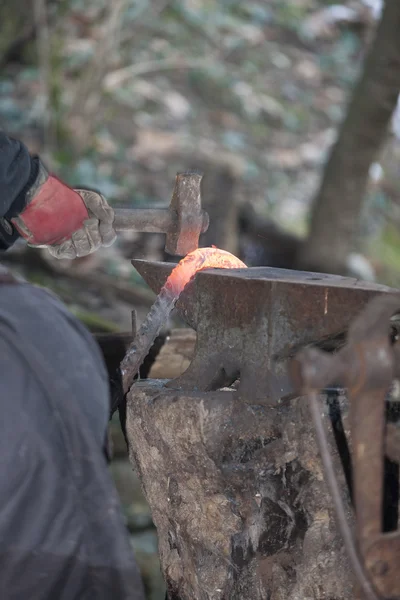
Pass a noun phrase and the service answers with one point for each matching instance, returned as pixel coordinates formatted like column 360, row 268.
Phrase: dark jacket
column 62, row 536
column 18, row 171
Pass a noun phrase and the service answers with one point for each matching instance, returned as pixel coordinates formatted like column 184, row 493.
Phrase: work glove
column 68, row 222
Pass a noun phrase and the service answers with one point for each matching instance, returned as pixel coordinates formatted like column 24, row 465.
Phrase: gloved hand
column 70, row 223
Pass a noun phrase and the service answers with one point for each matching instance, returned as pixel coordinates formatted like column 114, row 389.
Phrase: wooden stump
column 237, row 495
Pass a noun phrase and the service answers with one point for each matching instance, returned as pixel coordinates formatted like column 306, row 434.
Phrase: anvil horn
column 155, row 274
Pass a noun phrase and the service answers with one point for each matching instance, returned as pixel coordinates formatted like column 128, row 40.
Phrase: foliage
column 137, row 90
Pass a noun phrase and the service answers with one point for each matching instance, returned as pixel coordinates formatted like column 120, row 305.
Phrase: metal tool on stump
column 250, row 323
column 366, row 365
column 227, row 452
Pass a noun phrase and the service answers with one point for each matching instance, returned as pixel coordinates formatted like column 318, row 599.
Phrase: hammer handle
column 149, row 220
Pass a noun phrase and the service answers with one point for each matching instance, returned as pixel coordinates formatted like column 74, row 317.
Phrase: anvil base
column 237, row 495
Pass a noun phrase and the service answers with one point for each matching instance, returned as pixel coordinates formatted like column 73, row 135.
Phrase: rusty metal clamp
column 366, row 366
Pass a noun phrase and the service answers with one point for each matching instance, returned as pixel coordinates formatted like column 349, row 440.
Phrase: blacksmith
column 62, row 535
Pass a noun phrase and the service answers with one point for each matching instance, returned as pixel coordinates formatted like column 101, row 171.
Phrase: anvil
column 251, row 322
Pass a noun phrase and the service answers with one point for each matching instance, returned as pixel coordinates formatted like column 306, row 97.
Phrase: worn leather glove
column 70, row 223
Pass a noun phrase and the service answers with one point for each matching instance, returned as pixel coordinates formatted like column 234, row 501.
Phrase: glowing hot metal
column 198, row 260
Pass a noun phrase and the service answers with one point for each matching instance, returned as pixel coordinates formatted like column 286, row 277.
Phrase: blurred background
column 121, row 95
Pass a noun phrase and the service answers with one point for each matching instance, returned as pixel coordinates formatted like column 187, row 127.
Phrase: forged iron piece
column 144, row 338
column 366, row 365
column 182, row 274
column 251, row 322
column 183, row 222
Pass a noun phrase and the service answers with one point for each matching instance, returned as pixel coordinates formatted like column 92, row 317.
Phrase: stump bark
column 237, row 495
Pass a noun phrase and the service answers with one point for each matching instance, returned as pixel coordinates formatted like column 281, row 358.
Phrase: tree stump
column 237, row 495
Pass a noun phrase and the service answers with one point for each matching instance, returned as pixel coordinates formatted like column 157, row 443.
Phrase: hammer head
column 189, row 218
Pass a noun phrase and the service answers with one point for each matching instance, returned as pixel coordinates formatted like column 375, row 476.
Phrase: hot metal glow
column 199, row 260
column 183, row 273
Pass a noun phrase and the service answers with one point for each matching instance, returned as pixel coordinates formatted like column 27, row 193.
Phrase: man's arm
column 17, row 169
column 44, row 211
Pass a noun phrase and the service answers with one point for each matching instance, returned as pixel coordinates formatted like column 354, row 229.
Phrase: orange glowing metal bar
column 186, row 269
column 199, row 260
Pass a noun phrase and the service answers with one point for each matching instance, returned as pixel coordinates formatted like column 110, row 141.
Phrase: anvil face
column 250, row 322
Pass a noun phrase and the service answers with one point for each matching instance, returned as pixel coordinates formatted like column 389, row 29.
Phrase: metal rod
column 332, row 483
column 367, row 422
column 144, row 338
column 134, row 322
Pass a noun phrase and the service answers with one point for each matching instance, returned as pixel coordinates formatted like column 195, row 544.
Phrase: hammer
column 183, row 221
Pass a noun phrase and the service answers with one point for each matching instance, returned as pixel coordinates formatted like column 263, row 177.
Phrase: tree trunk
column 237, row 495
column 338, row 204
column 17, row 28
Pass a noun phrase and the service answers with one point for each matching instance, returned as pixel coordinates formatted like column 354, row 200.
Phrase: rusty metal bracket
column 366, row 365
column 251, row 322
